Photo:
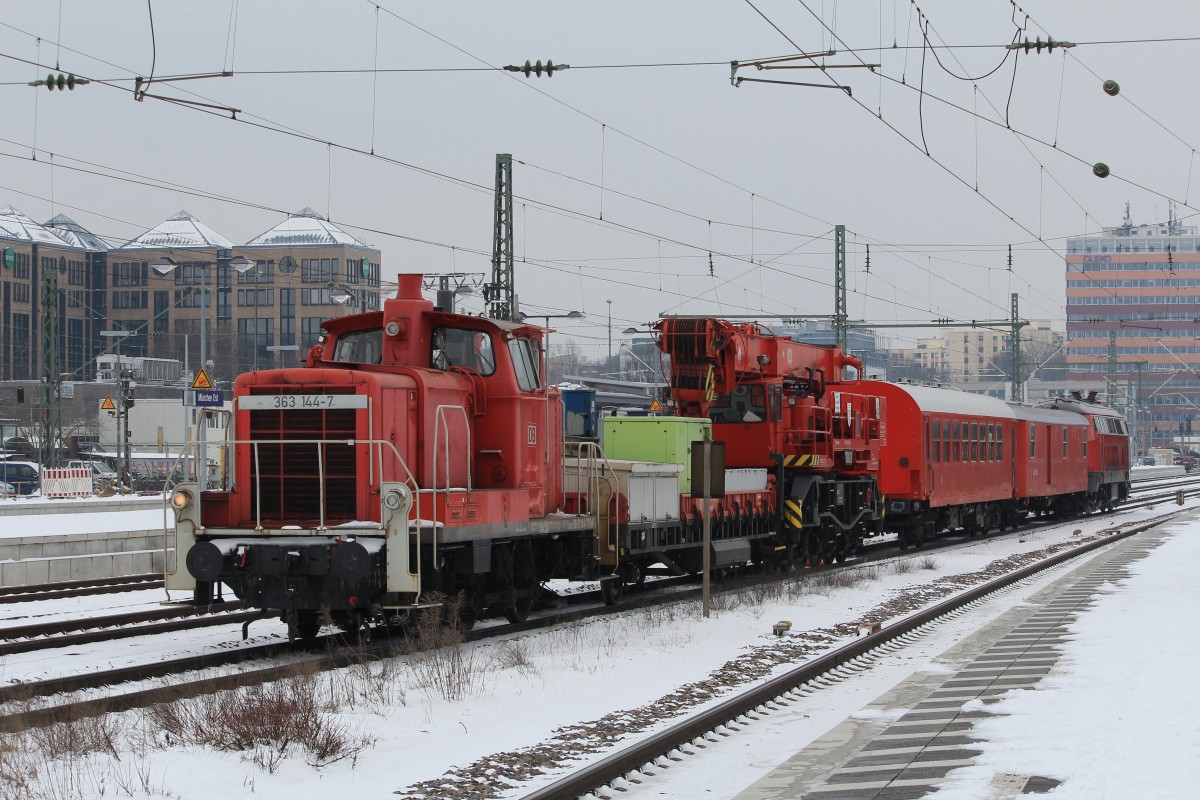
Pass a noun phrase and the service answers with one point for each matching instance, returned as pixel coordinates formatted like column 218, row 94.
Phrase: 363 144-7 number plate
column 301, row 402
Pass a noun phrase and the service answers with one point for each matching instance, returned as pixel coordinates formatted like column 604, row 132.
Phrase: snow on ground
column 1118, row 718
column 411, row 719
column 14, row 524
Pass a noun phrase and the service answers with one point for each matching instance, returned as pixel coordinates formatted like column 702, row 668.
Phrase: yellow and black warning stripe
column 809, row 460
column 793, row 513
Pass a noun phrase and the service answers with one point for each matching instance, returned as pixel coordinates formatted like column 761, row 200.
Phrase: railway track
column 327, row 652
column 1164, row 490
column 89, row 630
column 673, row 744
column 49, row 635
column 64, row 589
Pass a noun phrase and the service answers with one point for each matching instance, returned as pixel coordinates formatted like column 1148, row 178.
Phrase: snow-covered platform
column 45, row 541
column 954, row 728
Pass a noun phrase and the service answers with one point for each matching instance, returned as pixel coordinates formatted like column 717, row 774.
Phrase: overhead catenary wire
column 329, row 145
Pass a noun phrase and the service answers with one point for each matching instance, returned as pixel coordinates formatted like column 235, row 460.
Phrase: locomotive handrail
column 377, row 444
column 592, row 477
column 441, row 423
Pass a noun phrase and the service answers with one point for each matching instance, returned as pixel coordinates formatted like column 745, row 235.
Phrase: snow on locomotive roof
column 1054, row 416
column 954, row 401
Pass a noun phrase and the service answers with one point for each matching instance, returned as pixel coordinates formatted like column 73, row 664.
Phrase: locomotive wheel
column 466, row 606
column 304, row 626
column 612, row 590
column 349, row 624
column 523, row 583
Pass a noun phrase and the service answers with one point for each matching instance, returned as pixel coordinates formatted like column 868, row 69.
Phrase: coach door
column 1049, row 456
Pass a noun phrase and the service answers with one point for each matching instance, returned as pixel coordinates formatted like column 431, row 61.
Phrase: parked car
column 7, row 490
column 23, row 476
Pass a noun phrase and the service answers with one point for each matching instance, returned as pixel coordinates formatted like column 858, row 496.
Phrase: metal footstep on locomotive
column 418, row 463
column 932, row 732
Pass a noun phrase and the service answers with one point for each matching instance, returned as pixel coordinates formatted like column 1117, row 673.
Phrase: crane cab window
column 526, row 357
column 746, row 403
column 459, row 347
column 360, row 347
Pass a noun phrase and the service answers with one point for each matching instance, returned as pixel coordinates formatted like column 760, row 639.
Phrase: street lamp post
column 164, row 266
column 548, row 317
column 122, row 412
column 281, row 348
column 608, row 364
column 244, row 265
column 4, row 423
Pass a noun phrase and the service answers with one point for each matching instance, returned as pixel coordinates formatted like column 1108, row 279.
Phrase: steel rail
column 76, row 588
column 181, row 622
column 631, row 759
column 332, row 659
column 114, row 620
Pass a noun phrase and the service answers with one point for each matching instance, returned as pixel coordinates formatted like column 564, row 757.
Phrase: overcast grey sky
column 628, row 177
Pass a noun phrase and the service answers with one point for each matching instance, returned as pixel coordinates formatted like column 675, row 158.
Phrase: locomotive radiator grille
column 289, row 480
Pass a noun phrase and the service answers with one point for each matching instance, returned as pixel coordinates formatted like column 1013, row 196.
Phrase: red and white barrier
column 67, row 482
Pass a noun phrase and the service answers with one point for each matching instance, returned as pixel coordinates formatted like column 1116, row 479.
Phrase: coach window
column 937, row 440
column 999, row 442
column 975, row 441
column 945, row 440
column 991, row 443
column 1032, row 440
column 1064, row 442
column 928, row 443
column 955, row 440
column 1085, row 444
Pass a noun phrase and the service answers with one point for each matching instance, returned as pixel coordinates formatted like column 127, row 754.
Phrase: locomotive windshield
column 360, row 347
column 459, row 347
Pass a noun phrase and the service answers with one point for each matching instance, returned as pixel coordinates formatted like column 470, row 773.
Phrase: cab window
column 459, row 347
column 525, row 363
column 746, row 403
column 360, row 347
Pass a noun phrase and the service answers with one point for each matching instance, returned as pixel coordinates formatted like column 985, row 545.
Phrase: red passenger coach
column 947, row 461
column 1051, row 451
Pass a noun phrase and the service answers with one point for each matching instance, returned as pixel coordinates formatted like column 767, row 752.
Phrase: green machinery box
column 666, row 440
